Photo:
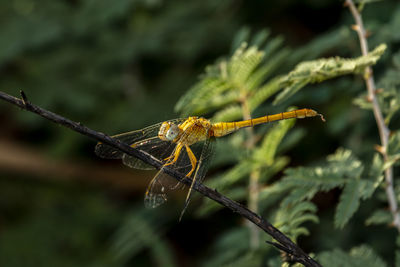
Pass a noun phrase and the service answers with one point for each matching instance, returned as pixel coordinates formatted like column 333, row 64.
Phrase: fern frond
column 366, row 256
column 323, row 178
column 348, row 203
column 362, row 256
column 229, row 113
column 389, row 99
column 197, row 98
column 379, row 217
column 266, row 152
column 269, row 171
column 242, row 64
column 261, row 74
column 335, row 258
column 299, row 194
column 264, row 92
column 260, row 38
column 242, row 36
column 273, row 46
column 342, row 169
column 322, row 69
column 290, row 218
column 376, row 169
column 227, row 81
column 393, row 149
column 345, row 164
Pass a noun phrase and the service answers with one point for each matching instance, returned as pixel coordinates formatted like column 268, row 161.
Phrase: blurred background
column 123, row 65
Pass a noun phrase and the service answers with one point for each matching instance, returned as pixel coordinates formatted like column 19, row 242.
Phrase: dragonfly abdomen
column 224, row 128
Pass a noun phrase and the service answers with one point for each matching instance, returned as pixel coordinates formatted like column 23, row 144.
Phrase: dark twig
column 380, row 122
column 280, row 247
column 296, row 253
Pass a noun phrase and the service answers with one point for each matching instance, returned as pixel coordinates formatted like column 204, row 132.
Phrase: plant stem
column 254, row 177
column 382, row 127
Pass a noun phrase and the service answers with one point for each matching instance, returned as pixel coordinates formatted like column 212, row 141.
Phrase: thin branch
column 254, row 187
column 382, row 127
column 296, row 252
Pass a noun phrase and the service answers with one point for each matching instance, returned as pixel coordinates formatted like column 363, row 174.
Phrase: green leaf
column 225, row 83
column 266, row 152
column 379, row 217
column 320, row 70
column 299, row 194
column 242, row 64
column 231, row 176
column 362, row 256
column 348, row 203
column 393, row 149
column 366, row 256
column 323, row 178
column 229, row 113
column 290, row 218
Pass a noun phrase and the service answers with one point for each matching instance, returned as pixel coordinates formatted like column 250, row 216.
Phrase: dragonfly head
column 168, row 131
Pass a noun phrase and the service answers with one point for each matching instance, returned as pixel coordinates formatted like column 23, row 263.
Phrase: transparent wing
column 155, row 147
column 159, row 187
column 162, row 183
column 145, row 139
column 201, row 170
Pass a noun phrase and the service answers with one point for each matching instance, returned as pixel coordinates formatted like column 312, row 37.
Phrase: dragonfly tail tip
column 322, row 117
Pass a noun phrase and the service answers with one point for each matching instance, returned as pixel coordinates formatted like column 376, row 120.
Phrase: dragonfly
column 184, row 145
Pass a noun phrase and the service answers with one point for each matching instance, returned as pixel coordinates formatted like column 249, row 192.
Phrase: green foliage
column 320, row 70
column 342, row 170
column 246, row 80
column 220, row 256
column 362, row 256
column 379, row 217
column 123, row 66
column 228, row 82
column 142, row 231
column 59, row 222
column 96, row 62
column 289, row 219
column 389, row 98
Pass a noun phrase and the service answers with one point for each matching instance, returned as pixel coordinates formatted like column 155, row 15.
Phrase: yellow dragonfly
column 184, row 145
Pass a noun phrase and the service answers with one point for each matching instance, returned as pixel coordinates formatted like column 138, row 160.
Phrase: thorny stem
column 296, row 253
column 382, row 127
column 254, row 177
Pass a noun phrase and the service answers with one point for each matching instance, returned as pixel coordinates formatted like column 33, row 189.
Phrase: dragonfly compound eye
column 172, row 132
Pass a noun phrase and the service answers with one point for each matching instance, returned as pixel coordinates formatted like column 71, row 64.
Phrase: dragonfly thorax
column 168, row 131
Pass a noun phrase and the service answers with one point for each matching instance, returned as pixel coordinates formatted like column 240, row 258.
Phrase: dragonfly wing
column 154, row 146
column 201, row 170
column 162, row 183
column 145, row 139
column 158, row 188
column 135, row 163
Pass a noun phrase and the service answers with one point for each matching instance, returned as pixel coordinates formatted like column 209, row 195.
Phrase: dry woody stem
column 382, row 127
column 296, row 253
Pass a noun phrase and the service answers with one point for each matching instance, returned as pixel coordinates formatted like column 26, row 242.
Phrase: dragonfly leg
column 192, row 159
column 175, row 155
